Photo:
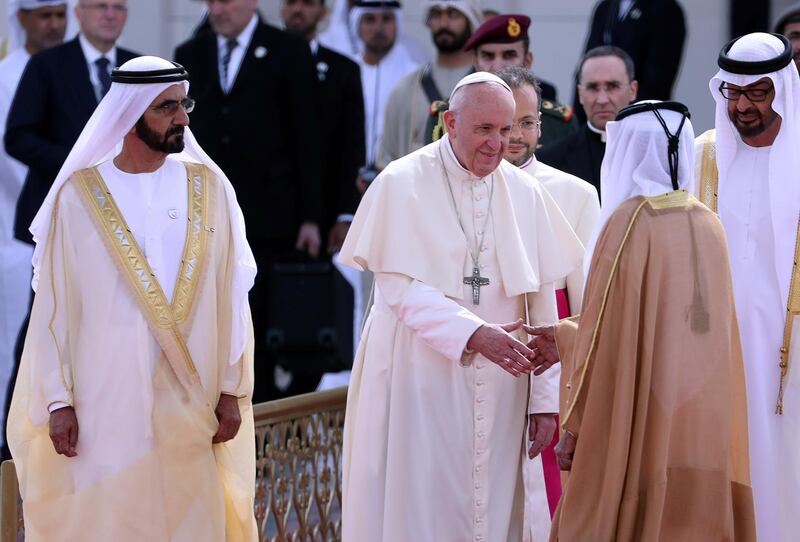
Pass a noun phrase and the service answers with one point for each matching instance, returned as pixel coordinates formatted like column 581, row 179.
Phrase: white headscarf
column 471, row 9
column 784, row 157
column 354, row 19
column 636, row 163
column 16, row 34
column 101, row 140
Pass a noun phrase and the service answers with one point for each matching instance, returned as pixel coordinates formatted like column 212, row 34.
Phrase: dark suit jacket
column 53, row 102
column 652, row 32
column 264, row 133
column 340, row 106
column 580, row 154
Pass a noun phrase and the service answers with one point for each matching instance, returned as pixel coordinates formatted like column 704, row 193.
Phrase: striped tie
column 230, row 45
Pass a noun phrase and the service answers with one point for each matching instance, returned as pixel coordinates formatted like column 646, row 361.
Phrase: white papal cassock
column 435, row 437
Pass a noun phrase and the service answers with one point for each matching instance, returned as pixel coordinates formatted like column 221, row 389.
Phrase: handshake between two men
column 495, row 343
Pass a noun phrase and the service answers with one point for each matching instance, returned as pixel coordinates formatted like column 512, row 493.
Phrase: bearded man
column 131, row 417
column 747, row 168
column 451, row 24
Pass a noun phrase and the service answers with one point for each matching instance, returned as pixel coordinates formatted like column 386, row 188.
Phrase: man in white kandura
column 748, row 172
column 131, row 417
column 464, row 247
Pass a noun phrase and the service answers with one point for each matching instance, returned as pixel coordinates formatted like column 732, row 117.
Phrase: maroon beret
column 500, row 29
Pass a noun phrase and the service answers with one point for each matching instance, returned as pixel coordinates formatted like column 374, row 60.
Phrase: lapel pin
column 322, row 70
column 636, row 13
column 173, row 213
column 260, row 52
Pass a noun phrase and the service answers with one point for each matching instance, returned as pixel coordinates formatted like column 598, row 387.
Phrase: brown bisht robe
column 657, row 395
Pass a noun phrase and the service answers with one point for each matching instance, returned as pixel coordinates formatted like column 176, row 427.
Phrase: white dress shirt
column 92, row 54
column 237, row 56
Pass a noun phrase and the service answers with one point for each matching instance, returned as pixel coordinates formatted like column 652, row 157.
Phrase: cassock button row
column 478, row 520
column 479, row 503
column 480, row 383
column 481, row 434
column 477, row 486
column 478, row 468
column 480, row 417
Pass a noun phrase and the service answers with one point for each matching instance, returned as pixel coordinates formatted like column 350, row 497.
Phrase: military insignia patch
column 513, row 28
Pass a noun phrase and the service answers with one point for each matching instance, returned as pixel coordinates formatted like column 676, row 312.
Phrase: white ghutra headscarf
column 636, row 162
column 784, row 157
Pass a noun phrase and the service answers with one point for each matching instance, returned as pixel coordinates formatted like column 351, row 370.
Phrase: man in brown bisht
column 655, row 431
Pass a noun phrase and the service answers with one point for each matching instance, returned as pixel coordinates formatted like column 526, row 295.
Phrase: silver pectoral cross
column 476, row 281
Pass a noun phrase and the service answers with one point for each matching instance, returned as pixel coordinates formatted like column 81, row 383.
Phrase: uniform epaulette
column 555, row 109
column 438, row 106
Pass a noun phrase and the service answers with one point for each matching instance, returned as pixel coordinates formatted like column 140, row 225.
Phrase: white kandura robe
column 377, row 83
column 434, row 437
column 15, row 256
column 744, row 209
column 145, row 458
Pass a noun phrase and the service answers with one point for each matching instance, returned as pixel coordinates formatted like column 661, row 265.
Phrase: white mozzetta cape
column 434, row 446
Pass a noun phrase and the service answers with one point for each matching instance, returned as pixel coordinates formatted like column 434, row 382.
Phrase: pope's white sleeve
column 437, row 320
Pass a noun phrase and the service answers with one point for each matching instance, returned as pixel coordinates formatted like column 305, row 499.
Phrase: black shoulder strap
column 429, row 86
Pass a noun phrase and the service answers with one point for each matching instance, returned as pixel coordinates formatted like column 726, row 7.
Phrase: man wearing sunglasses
column 747, row 171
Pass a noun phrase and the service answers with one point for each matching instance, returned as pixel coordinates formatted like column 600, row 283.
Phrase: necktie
column 102, row 75
column 230, row 45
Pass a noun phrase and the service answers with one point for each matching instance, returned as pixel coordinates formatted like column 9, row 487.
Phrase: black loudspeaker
column 310, row 317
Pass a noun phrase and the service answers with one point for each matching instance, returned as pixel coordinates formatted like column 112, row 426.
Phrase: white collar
column 91, row 53
column 244, row 37
column 531, row 163
column 598, row 131
column 454, row 160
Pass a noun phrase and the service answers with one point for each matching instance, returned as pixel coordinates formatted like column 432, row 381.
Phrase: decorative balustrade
column 298, row 472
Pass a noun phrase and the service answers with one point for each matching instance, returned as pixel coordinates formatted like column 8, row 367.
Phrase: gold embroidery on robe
column 573, row 400
column 162, row 314
column 709, row 173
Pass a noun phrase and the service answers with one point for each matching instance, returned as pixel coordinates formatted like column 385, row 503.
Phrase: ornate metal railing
column 298, row 472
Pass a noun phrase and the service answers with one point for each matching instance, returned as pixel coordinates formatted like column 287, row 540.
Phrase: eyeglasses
column 752, row 94
column 116, row 9
column 170, row 107
column 526, row 125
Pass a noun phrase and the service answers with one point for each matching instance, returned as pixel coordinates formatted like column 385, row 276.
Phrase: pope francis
column 464, row 247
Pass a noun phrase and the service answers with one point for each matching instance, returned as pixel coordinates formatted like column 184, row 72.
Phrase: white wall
column 558, row 32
